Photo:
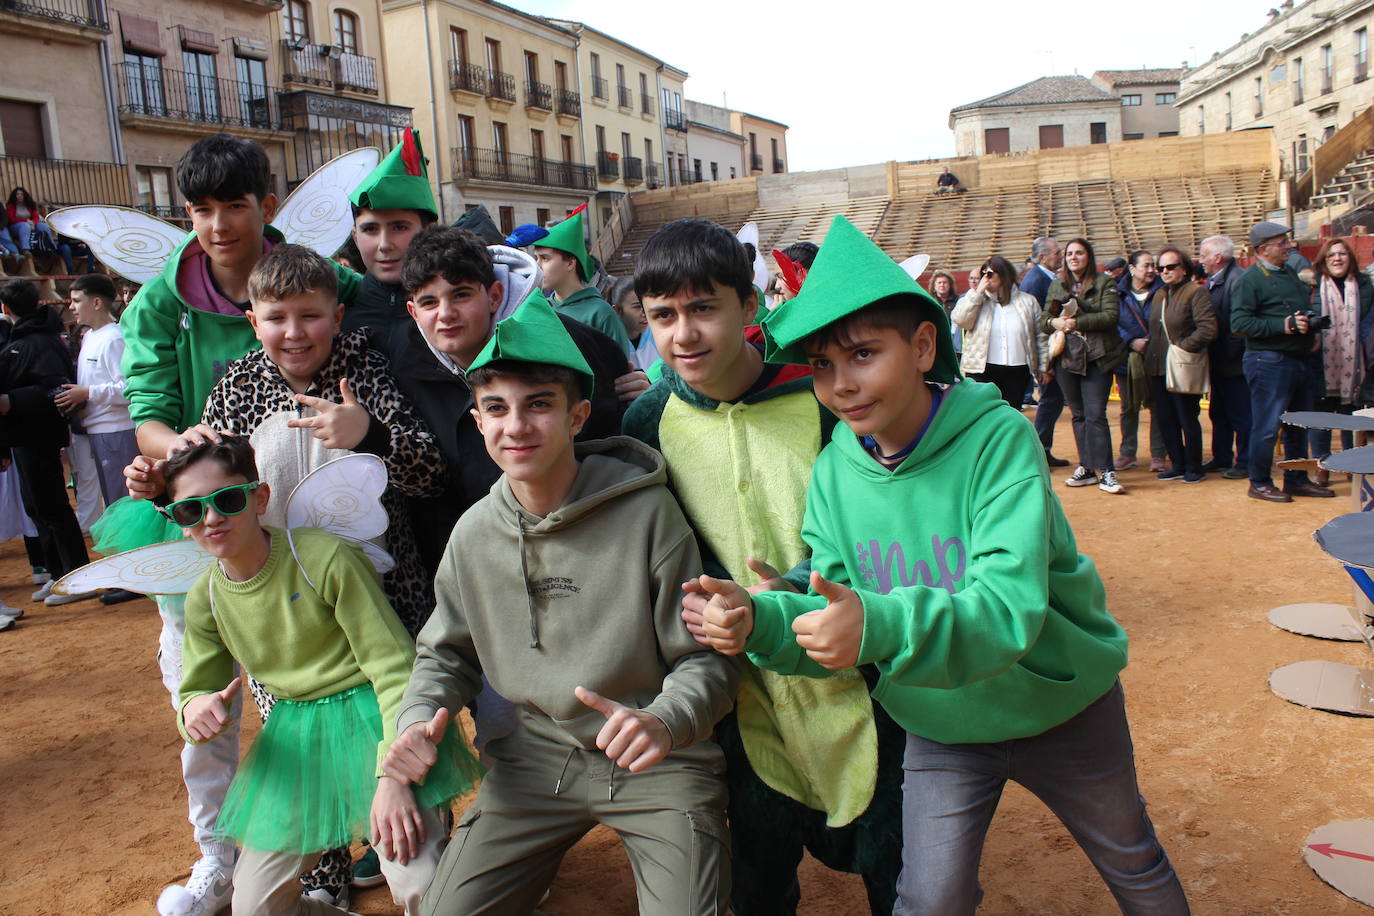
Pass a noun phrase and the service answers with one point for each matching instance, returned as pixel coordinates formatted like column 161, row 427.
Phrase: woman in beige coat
column 1181, row 313
column 1002, row 343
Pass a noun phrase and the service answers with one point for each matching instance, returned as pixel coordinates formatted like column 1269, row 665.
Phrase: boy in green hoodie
column 604, row 675
column 813, row 765
column 568, row 269
column 941, row 555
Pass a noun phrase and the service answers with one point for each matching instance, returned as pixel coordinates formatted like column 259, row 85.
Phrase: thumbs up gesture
column 206, row 715
column 728, row 617
column 633, row 738
column 695, row 597
column 336, row 425
column 832, row 635
column 416, row 749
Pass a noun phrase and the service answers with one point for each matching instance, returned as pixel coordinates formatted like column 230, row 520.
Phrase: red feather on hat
column 410, row 152
column 577, row 211
column 788, row 268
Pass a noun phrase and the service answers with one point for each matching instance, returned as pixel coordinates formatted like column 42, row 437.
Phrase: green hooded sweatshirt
column 983, row 619
column 587, row 306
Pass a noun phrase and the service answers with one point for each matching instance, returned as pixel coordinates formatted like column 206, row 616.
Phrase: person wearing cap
column 1269, row 306
column 941, row 555
column 568, row 270
column 1115, row 268
column 391, row 204
column 617, row 702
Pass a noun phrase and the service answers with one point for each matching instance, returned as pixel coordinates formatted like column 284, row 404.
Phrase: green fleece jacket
column 175, row 350
column 588, row 595
column 302, row 644
column 587, row 306
column 1262, row 301
column 983, row 619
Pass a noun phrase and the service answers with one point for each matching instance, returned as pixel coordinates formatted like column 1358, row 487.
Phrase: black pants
column 43, row 490
column 1178, row 421
column 1010, row 380
column 1047, row 411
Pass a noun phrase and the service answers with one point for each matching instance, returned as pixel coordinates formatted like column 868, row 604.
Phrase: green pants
column 541, row 796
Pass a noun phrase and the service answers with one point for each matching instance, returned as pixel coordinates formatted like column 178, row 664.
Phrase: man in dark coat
column 1229, row 402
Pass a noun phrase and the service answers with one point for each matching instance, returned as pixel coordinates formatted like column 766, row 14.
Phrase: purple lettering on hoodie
column 877, row 565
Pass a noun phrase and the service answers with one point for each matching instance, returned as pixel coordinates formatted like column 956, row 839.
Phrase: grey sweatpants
column 541, row 796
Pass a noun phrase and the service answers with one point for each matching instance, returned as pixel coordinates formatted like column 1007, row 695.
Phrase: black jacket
column 380, row 307
column 444, row 401
column 33, row 362
column 1226, row 349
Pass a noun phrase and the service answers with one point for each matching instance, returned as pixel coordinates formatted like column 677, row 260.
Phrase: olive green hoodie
column 588, row 595
column 983, row 619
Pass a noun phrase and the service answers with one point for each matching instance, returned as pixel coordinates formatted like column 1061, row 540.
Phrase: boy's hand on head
column 207, row 714
column 728, row 617
column 336, row 425
column 632, row 384
column 398, row 830
column 416, row 749
column 633, row 738
column 832, row 635
column 193, row 436
column 143, row 477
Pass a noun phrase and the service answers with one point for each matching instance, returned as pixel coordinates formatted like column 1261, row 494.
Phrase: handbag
column 1185, row 372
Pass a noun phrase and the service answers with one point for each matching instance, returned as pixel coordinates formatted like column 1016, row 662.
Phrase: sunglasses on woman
column 190, row 512
column 1164, row 267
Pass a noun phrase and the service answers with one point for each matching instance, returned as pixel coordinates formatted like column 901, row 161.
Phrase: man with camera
column 1270, row 309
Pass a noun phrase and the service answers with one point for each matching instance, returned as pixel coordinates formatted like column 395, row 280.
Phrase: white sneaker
column 6, row 611
column 6, row 623
column 1110, row 484
column 41, row 576
column 326, row 895
column 1082, row 477
column 43, row 593
column 59, row 600
column 207, row 891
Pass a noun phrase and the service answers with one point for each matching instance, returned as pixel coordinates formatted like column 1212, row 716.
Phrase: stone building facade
column 1147, row 100
column 1047, row 113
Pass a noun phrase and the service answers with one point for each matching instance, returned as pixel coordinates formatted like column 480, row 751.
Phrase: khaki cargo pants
column 540, row 797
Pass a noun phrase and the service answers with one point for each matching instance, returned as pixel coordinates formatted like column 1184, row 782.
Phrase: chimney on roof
column 1287, row 5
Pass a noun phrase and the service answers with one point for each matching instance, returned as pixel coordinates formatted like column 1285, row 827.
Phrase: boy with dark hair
column 940, row 554
column 812, row 765
column 603, row 673
column 568, row 270
column 458, row 292
column 181, row 331
column 34, row 363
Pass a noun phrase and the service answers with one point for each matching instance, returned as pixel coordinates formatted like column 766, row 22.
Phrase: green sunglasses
column 190, row 512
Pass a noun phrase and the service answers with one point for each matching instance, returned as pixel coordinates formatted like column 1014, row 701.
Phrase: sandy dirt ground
column 93, row 814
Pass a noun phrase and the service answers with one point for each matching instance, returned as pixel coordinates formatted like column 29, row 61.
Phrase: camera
column 1315, row 321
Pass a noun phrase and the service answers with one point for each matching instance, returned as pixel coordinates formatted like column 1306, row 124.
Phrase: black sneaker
column 1215, row 465
column 1236, row 473
column 1170, row 474
column 1055, row 462
column 1082, row 477
column 1194, row 477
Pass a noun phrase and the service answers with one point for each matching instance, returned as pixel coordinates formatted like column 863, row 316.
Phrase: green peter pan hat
column 851, row 272
column 399, row 182
column 535, row 334
column 568, row 236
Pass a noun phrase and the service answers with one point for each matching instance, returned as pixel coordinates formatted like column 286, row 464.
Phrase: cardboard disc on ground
column 1351, row 461
column 1349, row 538
column 1328, row 686
column 1323, row 621
column 1317, row 419
column 1300, row 464
column 1342, row 855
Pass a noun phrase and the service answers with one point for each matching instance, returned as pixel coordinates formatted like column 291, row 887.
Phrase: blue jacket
column 1037, row 283
column 1128, row 325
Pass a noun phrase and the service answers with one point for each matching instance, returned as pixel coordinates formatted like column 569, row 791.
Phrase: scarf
column 1340, row 342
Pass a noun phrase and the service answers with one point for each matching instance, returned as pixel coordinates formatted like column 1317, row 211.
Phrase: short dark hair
column 426, row 218
column 566, row 255
column 692, row 254
column 803, row 253
column 750, row 251
column 232, row 453
column 574, row 383
column 457, row 255
column 1135, row 256
column 1183, row 258
column 20, row 296
column 97, row 285
column 222, row 167
column 291, row 270
column 902, row 313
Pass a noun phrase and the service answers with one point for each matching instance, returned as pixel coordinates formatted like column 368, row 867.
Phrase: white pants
column 89, row 505
column 208, row 768
column 265, row 882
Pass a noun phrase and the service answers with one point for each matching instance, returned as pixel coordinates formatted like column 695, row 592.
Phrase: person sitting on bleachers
column 947, row 183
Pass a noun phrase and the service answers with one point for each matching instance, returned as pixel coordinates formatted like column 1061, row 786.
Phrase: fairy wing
column 169, row 568
column 916, row 265
column 134, row 244
column 344, row 497
column 749, row 232
column 318, row 213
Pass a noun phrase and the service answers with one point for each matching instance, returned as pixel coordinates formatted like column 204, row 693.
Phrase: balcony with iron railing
column 607, row 165
column 778, row 166
column 500, row 86
column 355, row 72
column 327, row 67
column 538, row 95
column 568, row 102
column 466, row 77
column 646, row 104
column 188, row 99
column 627, row 98
column 58, row 17
column 634, row 169
column 674, row 119
column 653, row 175
column 756, row 162
column 516, row 168
column 687, row 176
column 66, row 182
column 600, row 89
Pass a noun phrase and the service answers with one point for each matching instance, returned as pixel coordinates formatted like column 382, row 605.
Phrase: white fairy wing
column 382, row 561
column 749, row 232
column 134, row 244
column 169, row 568
column 916, row 265
column 318, row 214
column 343, row 497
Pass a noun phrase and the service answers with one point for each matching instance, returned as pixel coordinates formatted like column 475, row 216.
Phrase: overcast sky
column 878, row 84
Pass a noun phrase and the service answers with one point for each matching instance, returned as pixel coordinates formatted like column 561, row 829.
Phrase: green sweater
column 587, row 306
column 1261, row 302
column 984, row 620
column 175, row 352
column 302, row 644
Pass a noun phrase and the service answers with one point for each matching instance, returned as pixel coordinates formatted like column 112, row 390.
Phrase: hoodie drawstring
column 525, row 577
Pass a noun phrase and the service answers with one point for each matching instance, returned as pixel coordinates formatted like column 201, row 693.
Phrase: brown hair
column 1319, row 262
column 1004, row 269
column 1089, row 270
column 1183, row 259
column 291, row 270
column 232, row 453
column 531, row 373
column 953, row 286
column 901, row 313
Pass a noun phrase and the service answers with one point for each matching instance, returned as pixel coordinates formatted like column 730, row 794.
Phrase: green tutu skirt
column 308, row 781
column 129, row 523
